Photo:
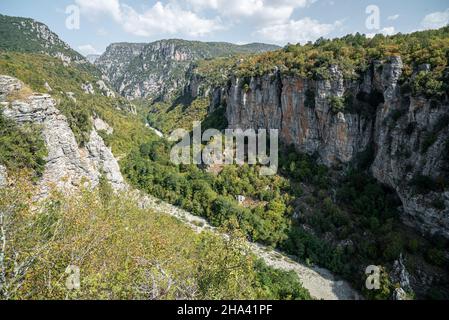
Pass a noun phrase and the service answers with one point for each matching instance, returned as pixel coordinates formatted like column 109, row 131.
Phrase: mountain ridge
column 158, row 69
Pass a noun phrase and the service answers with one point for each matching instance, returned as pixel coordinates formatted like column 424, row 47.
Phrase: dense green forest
column 351, row 220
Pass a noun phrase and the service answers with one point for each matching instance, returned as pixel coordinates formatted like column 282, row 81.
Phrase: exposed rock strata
column 68, row 166
column 377, row 117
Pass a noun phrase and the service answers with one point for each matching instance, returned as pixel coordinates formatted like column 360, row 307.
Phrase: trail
column 320, row 282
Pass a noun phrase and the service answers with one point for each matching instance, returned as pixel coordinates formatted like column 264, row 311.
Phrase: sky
column 89, row 26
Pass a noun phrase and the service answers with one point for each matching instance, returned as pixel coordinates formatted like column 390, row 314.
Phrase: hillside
column 65, row 203
column 158, row 69
column 29, row 36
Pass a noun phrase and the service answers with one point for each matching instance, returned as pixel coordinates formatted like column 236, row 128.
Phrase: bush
column 337, row 104
column 22, row 147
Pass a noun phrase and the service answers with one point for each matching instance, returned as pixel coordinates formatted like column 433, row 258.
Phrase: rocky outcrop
column 92, row 58
column 102, row 160
column 105, row 90
column 400, row 277
column 338, row 119
column 101, row 125
column 8, row 85
column 68, row 166
column 88, row 88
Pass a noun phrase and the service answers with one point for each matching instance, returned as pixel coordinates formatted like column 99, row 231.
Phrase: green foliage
column 21, row 147
column 123, row 252
column 353, row 55
column 37, row 69
column 337, row 104
column 31, row 37
column 79, row 119
column 279, row 284
column 166, row 116
column 213, row 196
column 427, row 84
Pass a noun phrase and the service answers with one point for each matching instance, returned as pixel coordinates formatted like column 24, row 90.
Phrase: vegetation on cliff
column 353, row 55
column 22, row 147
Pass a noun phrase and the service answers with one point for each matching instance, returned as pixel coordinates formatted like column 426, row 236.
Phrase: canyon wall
column 339, row 119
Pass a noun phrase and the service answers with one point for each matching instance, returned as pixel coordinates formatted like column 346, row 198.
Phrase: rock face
column 68, row 166
column 338, row 119
column 158, row 69
column 105, row 90
column 400, row 276
column 88, row 88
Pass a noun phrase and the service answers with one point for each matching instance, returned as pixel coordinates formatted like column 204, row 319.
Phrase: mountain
column 158, row 69
column 29, row 36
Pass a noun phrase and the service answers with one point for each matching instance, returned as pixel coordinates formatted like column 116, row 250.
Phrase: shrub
column 22, row 147
column 337, row 104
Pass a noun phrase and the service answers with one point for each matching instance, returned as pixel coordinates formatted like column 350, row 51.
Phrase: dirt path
column 321, row 283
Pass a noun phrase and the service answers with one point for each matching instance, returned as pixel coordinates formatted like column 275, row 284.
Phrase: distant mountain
column 158, row 69
column 29, row 36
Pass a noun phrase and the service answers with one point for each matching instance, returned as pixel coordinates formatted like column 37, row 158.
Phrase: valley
column 362, row 176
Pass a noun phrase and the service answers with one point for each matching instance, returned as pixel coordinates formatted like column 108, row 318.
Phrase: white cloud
column 97, row 7
column 167, row 18
column 88, row 49
column 393, row 17
column 436, row 20
column 266, row 11
column 302, row 31
column 159, row 19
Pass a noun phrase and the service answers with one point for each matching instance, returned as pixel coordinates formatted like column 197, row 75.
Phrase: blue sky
column 102, row 22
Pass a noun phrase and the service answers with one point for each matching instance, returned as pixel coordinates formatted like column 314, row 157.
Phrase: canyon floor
column 320, row 282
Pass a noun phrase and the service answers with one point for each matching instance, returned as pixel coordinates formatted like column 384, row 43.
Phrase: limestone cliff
column 68, row 166
column 338, row 119
column 158, row 69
